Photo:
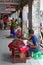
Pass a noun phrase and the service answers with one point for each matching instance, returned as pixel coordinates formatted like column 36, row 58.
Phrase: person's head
column 31, row 32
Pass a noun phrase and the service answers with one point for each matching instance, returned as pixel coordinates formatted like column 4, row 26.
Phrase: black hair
column 31, row 31
column 15, row 20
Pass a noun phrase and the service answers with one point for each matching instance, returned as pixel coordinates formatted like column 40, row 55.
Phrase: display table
column 18, row 57
column 18, row 51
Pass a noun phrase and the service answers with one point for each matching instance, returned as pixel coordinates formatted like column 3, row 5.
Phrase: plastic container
column 37, row 55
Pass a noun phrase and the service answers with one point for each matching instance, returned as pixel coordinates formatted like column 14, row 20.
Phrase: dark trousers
column 29, row 53
column 5, row 25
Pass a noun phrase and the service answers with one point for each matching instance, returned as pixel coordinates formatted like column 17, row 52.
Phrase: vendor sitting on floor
column 14, row 24
column 35, row 46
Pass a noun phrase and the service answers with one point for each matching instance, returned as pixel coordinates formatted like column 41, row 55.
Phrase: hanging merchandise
column 25, row 20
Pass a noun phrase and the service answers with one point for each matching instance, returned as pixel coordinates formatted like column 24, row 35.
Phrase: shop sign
column 10, row 8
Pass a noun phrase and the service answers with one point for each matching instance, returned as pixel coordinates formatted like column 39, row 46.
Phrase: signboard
column 10, row 8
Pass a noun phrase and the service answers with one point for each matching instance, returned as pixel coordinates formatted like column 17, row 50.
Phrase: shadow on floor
column 7, row 58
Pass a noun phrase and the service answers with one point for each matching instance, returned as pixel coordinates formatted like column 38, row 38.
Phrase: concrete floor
column 5, row 58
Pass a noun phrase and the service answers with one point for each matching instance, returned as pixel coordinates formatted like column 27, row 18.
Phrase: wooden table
column 17, row 57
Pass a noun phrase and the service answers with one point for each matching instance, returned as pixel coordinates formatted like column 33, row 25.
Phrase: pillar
column 36, row 17
column 25, row 28
column 25, row 20
column 30, row 13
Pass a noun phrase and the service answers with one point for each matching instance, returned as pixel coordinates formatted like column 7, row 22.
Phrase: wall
column 15, row 15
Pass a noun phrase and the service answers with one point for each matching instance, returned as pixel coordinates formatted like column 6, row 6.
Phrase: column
column 36, row 17
column 25, row 21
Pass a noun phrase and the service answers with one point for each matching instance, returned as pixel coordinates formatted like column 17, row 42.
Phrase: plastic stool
column 37, row 55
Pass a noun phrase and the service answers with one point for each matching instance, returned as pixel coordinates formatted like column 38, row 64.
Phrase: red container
column 23, row 49
column 18, row 60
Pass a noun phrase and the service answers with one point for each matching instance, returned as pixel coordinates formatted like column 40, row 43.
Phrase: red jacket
column 5, row 19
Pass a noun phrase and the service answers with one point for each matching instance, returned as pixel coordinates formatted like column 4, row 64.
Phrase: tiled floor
column 5, row 58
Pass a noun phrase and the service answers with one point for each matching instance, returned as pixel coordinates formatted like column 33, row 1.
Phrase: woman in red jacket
column 5, row 20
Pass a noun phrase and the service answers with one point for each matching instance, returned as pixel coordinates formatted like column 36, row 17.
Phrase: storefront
column 31, row 19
